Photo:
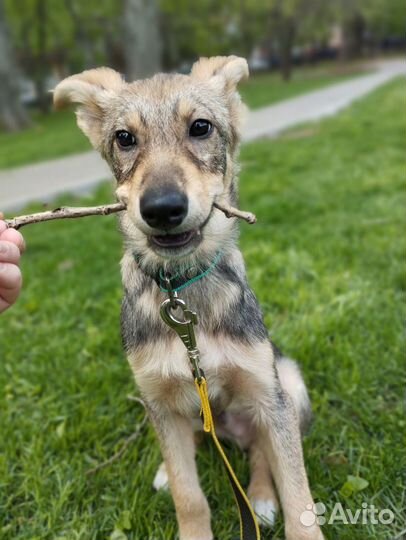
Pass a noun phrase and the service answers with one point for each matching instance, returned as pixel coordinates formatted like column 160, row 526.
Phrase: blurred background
column 42, row 41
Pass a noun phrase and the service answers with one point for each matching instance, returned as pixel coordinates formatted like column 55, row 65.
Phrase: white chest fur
column 163, row 371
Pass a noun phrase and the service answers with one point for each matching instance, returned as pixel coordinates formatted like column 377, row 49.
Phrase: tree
column 12, row 114
column 284, row 25
column 384, row 18
column 376, row 18
column 34, row 37
column 81, row 33
column 294, row 21
column 41, row 71
column 55, row 40
column 142, row 38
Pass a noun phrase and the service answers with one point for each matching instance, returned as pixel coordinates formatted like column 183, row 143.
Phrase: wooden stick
column 65, row 212
column 69, row 212
column 230, row 212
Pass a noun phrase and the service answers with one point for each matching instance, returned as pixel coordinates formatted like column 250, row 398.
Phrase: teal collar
column 182, row 280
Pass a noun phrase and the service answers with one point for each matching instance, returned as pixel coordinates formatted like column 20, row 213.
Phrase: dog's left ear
column 225, row 71
column 92, row 90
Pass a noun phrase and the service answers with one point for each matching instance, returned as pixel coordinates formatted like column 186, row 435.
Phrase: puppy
column 172, row 143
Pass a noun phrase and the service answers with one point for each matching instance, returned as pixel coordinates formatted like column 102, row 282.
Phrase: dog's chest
column 164, row 373
column 229, row 330
column 223, row 302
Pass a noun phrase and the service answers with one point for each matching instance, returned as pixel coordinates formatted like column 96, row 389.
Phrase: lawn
column 56, row 134
column 50, row 136
column 326, row 260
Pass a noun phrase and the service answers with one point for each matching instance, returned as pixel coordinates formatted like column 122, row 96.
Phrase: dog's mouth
column 174, row 241
column 178, row 244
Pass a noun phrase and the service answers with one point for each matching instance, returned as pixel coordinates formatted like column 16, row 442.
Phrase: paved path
column 81, row 172
column 270, row 121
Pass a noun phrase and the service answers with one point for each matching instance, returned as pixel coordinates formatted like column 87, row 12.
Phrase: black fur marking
column 216, row 165
column 228, row 273
column 233, row 192
column 223, row 135
column 137, row 161
column 243, row 321
column 199, row 164
column 118, row 174
column 137, row 328
column 277, row 353
column 112, row 156
column 234, row 138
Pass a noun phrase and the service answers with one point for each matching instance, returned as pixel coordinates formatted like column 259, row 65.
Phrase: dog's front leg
column 279, row 437
column 176, row 438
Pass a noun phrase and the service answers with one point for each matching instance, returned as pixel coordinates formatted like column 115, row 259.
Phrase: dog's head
column 171, row 142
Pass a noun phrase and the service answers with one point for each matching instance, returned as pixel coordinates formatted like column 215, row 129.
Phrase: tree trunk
column 142, row 38
column 170, row 54
column 286, row 42
column 246, row 44
column 82, row 38
column 353, row 37
column 44, row 102
column 12, row 114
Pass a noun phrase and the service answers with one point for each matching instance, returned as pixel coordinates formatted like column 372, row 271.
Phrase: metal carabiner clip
column 184, row 328
column 171, row 293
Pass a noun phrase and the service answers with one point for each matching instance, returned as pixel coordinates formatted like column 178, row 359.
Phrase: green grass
column 50, row 136
column 57, row 135
column 326, row 260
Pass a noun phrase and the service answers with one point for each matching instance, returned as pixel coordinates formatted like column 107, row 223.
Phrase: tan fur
column 94, row 90
column 261, row 487
column 256, row 398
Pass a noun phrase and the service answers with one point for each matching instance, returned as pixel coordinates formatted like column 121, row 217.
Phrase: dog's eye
column 200, row 128
column 125, row 139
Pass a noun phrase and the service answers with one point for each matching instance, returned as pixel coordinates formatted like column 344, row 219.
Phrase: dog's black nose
column 163, row 209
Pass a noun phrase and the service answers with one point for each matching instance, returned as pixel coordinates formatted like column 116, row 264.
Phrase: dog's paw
column 265, row 511
column 161, row 478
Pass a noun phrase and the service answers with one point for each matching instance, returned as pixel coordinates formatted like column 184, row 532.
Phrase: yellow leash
column 249, row 529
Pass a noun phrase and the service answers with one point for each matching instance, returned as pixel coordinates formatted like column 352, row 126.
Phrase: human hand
column 11, row 246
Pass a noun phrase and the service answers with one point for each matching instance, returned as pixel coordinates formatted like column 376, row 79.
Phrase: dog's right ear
column 93, row 91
